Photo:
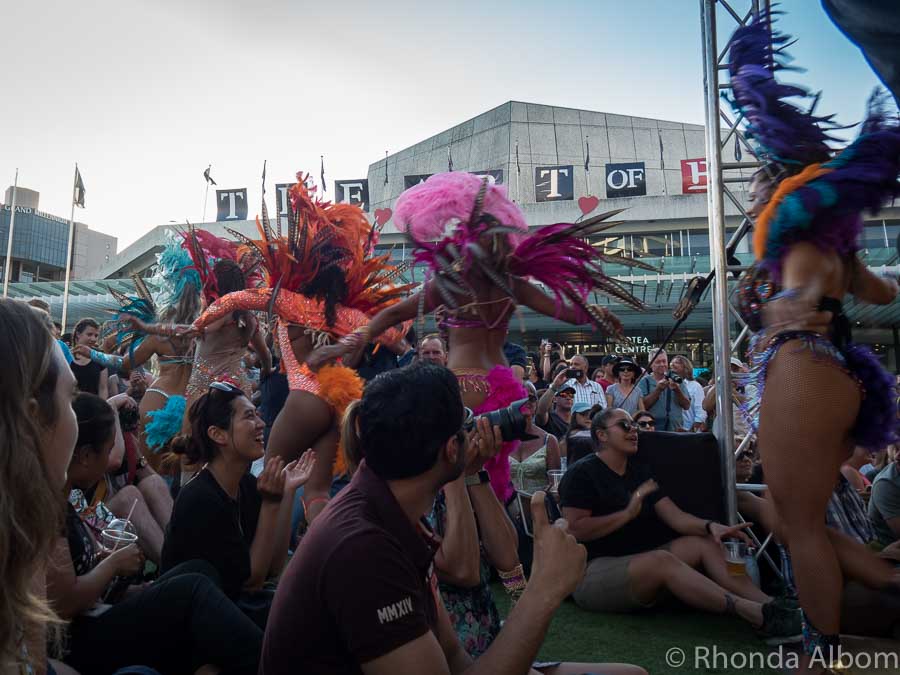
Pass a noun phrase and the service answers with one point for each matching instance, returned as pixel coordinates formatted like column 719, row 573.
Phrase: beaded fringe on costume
column 876, row 423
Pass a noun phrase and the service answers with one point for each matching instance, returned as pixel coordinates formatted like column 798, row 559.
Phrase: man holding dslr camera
column 665, row 395
column 359, row 595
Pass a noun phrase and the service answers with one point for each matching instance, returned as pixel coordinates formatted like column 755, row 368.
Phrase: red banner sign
column 693, row 175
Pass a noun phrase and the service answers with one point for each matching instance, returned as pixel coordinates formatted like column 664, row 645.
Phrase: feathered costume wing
column 821, row 200
column 824, row 201
column 450, row 215
column 322, row 236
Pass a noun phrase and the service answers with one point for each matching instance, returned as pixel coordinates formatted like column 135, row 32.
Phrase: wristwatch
column 479, row 478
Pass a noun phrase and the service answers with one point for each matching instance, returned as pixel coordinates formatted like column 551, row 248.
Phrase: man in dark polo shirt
column 359, row 594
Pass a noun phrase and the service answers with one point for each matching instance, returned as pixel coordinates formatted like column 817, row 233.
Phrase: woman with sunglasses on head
column 622, row 394
column 615, row 508
column 225, row 516
column 179, row 623
column 819, row 393
column 530, row 462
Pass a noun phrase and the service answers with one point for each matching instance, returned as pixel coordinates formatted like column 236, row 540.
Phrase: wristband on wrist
column 480, row 478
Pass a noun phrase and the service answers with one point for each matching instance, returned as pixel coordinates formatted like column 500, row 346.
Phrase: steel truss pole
column 720, row 251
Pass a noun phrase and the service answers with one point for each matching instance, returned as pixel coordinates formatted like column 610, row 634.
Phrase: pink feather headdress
column 433, row 209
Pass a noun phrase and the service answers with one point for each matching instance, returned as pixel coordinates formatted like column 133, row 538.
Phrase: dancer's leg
column 303, row 422
column 808, row 408
column 150, row 402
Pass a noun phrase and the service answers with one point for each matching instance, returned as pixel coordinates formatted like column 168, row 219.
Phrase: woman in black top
column 237, row 523
column 92, row 377
column 177, row 624
column 615, row 508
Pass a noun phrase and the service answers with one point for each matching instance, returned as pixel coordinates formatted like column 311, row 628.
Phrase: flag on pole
column 449, row 159
column 587, row 154
column 385, row 168
column 209, row 180
column 322, row 158
column 78, row 192
column 518, row 168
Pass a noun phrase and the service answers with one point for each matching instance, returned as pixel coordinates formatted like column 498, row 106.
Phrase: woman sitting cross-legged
column 225, row 516
column 617, row 510
column 177, row 624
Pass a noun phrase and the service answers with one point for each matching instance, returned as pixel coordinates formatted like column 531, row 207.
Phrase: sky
column 144, row 94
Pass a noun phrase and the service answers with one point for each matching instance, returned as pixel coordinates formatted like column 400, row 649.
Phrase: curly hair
column 229, row 276
column 29, row 502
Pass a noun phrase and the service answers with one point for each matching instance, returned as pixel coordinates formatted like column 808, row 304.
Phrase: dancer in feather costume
column 475, row 244
column 819, row 393
column 323, row 285
column 215, row 267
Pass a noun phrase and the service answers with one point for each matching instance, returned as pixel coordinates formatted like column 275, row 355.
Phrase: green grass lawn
column 644, row 638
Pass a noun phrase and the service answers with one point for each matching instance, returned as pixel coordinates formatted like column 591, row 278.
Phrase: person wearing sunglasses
column 645, row 421
column 622, row 394
column 616, row 509
column 237, row 523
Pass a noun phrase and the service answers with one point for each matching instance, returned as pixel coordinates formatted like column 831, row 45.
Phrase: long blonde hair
column 30, row 505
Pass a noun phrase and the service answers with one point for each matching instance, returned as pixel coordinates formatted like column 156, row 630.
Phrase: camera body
column 674, row 377
column 574, row 373
column 511, row 420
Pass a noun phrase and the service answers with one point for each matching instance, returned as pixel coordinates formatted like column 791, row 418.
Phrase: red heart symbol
column 383, row 215
column 586, row 204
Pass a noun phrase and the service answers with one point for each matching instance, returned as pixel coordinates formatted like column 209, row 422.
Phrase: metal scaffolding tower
column 714, row 61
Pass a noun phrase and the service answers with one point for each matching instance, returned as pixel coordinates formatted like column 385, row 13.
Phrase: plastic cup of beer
column 555, row 477
column 736, row 553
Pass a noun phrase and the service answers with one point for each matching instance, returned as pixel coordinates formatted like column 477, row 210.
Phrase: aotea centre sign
column 636, row 344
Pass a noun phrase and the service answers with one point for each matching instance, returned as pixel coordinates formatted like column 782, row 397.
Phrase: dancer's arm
column 869, row 287
column 534, row 298
column 258, row 342
column 256, row 299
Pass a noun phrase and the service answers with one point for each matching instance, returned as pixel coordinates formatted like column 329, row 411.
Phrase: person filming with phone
column 586, row 390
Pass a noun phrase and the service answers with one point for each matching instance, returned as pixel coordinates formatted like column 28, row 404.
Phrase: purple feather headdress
column 781, row 131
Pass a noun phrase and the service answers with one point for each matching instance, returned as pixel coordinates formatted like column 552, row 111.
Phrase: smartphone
column 552, row 506
column 573, row 372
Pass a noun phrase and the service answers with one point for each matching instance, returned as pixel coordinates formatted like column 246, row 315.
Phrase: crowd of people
column 258, row 468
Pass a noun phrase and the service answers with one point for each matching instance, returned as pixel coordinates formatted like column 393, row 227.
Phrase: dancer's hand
column 721, row 532
column 559, row 560
column 134, row 322
column 187, row 331
column 298, row 472
column 322, row 356
column 270, row 483
column 636, row 503
column 81, row 352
